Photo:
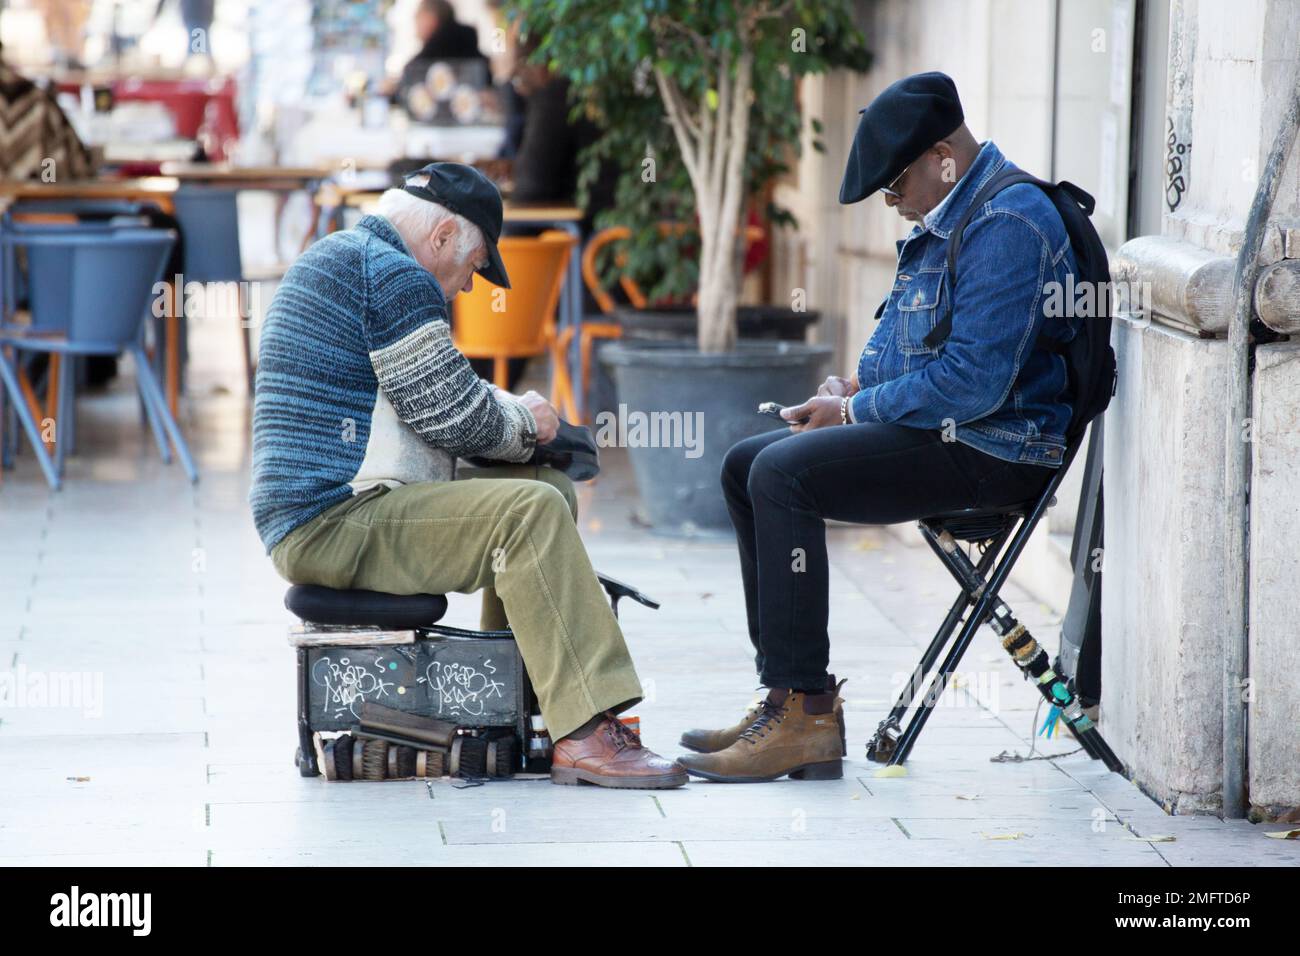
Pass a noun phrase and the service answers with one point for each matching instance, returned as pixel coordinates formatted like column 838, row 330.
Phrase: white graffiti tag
column 462, row 688
column 346, row 684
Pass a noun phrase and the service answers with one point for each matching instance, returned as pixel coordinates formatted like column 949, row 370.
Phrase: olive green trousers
column 509, row 531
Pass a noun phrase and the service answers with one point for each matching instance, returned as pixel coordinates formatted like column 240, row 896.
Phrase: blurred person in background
column 37, row 141
column 65, row 26
column 547, row 162
column 442, row 38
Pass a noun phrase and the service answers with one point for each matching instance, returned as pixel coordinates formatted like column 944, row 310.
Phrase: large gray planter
column 679, row 323
column 682, row 322
column 698, row 406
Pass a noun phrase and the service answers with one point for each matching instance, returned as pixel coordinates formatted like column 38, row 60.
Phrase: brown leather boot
column 795, row 734
column 612, row 756
column 711, row 741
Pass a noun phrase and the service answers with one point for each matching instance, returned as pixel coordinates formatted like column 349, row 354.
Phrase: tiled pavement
column 162, row 591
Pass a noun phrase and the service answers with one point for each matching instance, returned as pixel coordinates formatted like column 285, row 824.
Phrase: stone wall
column 1162, row 610
column 1274, row 709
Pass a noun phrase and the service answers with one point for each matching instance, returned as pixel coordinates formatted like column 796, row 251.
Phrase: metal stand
column 891, row 744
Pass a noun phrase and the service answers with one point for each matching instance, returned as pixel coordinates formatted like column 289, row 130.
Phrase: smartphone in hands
column 773, row 410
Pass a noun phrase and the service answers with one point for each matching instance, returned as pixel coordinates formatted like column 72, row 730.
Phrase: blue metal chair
column 112, row 215
column 90, row 214
column 98, row 306
column 209, row 218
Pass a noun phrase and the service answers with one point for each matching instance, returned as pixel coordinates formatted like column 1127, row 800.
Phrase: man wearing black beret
column 917, row 428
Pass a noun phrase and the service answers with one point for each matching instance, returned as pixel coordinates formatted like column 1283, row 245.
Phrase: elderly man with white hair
column 363, row 406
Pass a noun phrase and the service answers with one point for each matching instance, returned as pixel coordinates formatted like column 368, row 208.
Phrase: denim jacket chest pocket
column 920, row 306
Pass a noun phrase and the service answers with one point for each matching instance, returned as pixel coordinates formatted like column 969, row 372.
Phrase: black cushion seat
column 354, row 608
column 979, row 524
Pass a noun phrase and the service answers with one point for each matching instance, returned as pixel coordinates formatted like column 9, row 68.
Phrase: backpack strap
column 1000, row 181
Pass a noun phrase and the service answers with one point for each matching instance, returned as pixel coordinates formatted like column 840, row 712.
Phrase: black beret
column 910, row 116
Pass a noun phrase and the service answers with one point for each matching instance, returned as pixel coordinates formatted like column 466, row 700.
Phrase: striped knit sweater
column 358, row 384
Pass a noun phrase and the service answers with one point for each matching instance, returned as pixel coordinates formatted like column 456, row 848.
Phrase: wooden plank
column 155, row 189
column 147, row 186
column 526, row 212
column 319, row 635
column 224, row 172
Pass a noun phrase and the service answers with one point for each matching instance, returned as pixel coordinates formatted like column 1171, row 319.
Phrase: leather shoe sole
column 573, row 776
column 830, row 770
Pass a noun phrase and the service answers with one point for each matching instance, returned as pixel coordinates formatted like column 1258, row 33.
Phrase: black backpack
column 1089, row 359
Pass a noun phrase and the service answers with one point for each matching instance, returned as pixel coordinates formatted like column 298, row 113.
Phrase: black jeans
column 780, row 488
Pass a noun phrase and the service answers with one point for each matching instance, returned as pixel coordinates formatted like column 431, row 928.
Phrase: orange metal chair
column 500, row 324
column 590, row 331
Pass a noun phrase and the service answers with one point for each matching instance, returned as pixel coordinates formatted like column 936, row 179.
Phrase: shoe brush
column 374, row 760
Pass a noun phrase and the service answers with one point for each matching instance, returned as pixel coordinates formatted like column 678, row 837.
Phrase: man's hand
column 838, row 387
column 820, row 411
column 548, row 420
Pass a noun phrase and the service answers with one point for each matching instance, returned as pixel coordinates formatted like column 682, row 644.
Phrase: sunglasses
column 889, row 190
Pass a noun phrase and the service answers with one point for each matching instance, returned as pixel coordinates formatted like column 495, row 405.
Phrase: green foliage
column 606, row 48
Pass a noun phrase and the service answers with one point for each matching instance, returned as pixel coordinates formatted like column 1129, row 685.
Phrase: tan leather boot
column 794, row 733
column 711, row 741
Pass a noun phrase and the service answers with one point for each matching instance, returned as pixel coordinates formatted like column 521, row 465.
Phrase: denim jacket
column 987, row 385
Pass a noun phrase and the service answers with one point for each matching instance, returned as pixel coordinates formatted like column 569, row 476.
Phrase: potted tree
column 698, row 104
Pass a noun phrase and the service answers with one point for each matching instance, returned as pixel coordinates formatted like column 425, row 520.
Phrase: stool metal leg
column 961, row 569
column 985, row 593
column 882, row 744
column 939, row 683
column 980, row 589
column 1016, row 640
column 1034, row 662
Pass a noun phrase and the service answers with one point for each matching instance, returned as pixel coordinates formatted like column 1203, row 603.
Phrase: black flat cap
column 467, row 192
column 906, row 119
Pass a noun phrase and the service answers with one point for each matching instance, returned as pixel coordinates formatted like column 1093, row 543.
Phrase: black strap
column 1000, row 181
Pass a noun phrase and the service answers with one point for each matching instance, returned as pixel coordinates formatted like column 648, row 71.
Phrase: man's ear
column 947, row 161
column 442, row 234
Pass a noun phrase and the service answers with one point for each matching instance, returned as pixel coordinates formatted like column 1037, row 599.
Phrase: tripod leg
column 1028, row 655
column 1033, row 661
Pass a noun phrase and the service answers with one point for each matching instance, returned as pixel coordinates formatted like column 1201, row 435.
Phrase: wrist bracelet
column 844, row 410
